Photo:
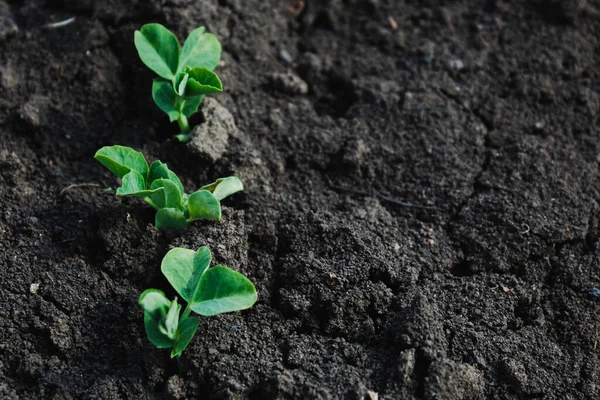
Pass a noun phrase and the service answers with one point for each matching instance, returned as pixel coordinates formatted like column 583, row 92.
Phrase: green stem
column 149, row 201
column 182, row 121
column 186, row 312
column 180, row 365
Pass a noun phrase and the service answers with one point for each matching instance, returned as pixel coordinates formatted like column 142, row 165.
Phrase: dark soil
column 483, row 113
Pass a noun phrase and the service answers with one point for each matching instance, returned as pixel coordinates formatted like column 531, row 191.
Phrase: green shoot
column 185, row 74
column 158, row 186
column 207, row 291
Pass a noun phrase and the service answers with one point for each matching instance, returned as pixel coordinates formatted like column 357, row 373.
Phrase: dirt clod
column 289, row 83
column 211, row 138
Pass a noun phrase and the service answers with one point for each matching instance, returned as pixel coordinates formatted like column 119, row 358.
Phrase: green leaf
column 159, row 49
column 120, row 160
column 202, row 81
column 187, row 330
column 183, row 269
column 200, row 50
column 171, row 322
column 190, row 106
column 133, row 184
column 222, row 290
column 182, row 84
column 155, row 305
column 165, row 98
column 197, row 82
column 159, row 170
column 155, row 336
column 224, row 187
column 169, row 197
column 203, row 205
column 175, row 179
column 170, row 218
column 154, row 301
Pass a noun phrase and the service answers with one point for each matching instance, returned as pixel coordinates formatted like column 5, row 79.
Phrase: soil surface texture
column 421, row 213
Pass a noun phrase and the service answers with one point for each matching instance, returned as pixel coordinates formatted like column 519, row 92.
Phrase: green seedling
column 185, row 74
column 158, row 186
column 207, row 291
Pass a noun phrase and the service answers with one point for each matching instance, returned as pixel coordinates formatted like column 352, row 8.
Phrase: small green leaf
column 202, row 81
column 153, row 301
column 120, row 160
column 196, row 82
column 187, row 330
column 191, row 104
column 159, row 170
column 165, row 98
column 222, row 290
column 169, row 197
column 155, row 305
column 203, row 205
column 224, row 187
column 158, row 48
column 171, row 322
column 182, row 84
column 133, row 184
column 155, row 336
column 175, row 179
column 183, row 269
column 200, row 50
column 170, row 218
column 178, row 80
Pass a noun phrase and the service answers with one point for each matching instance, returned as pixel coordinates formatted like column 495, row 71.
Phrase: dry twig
column 59, row 24
column 78, row 185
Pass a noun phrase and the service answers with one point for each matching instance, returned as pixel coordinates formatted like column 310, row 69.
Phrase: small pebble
column 289, row 83
column 33, row 112
column 34, row 287
column 373, row 395
column 455, row 65
column 285, row 56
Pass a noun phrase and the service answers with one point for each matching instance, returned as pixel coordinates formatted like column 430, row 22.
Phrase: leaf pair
column 162, row 189
column 159, row 50
column 185, row 74
column 208, row 291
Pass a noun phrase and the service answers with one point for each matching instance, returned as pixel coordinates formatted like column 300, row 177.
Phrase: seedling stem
column 179, row 365
column 186, row 312
column 182, row 121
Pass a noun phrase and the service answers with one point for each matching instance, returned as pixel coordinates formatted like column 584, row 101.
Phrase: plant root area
column 420, row 215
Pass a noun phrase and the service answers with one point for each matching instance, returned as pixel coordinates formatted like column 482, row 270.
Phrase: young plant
column 207, row 291
column 158, row 186
column 185, row 74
